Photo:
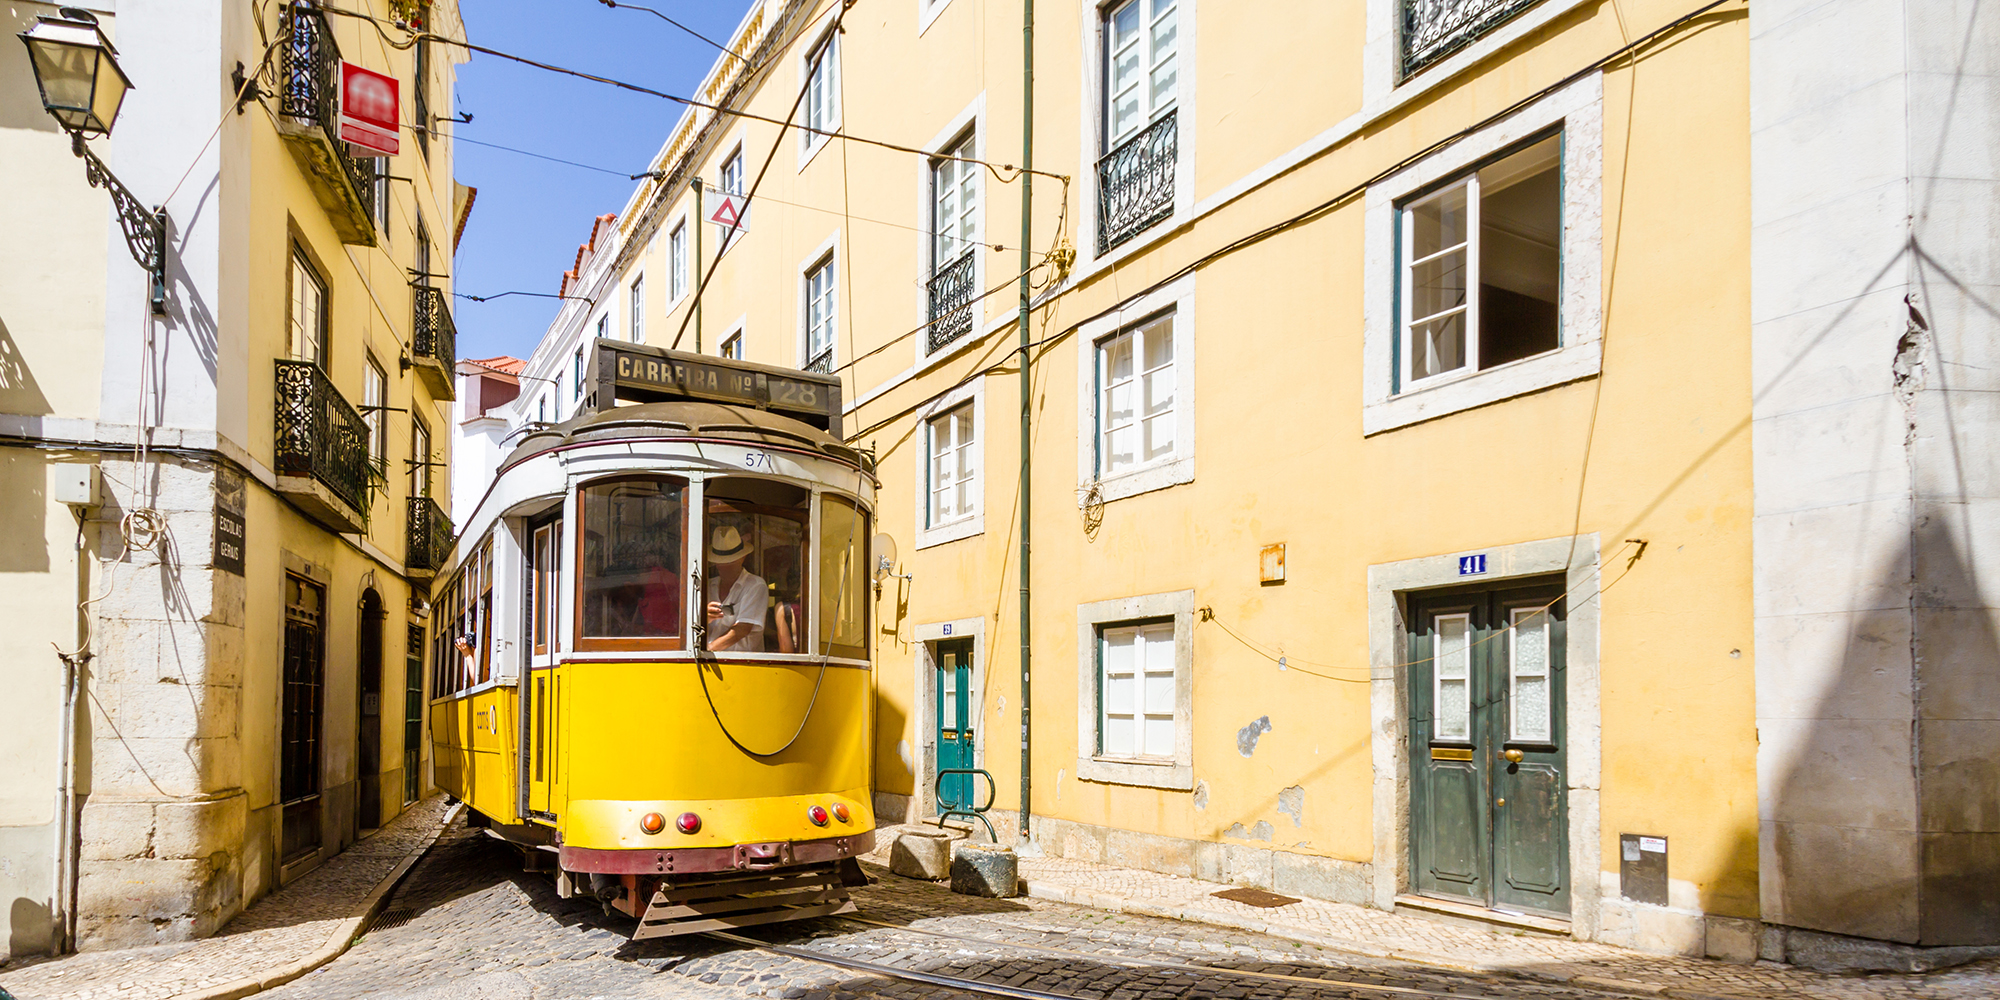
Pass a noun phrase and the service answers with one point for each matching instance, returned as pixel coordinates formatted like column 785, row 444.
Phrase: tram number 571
column 760, row 461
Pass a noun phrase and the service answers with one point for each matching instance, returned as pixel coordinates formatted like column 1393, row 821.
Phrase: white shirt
column 749, row 598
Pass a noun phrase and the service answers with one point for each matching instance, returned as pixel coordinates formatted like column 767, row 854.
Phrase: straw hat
column 726, row 545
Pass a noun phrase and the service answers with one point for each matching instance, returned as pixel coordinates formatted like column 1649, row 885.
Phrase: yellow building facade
column 1422, row 455
column 214, row 626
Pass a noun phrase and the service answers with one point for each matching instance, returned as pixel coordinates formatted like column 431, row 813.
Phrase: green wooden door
column 1488, row 802
column 954, row 721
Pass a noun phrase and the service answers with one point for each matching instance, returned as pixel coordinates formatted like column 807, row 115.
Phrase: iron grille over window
column 1433, row 29
column 436, row 336
column 430, row 535
column 951, row 302
column 1135, row 182
column 311, row 93
column 320, row 435
column 821, row 362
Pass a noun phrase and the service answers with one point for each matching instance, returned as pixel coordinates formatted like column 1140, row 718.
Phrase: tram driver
column 737, row 598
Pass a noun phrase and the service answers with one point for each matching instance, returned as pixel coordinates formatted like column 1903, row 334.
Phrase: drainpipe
column 68, row 836
column 1027, row 383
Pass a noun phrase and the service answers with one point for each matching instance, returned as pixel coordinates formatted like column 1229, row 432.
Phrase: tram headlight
column 652, row 822
column 817, row 814
column 840, row 812
column 688, row 823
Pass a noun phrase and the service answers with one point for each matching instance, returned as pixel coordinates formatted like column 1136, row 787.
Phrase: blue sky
column 531, row 213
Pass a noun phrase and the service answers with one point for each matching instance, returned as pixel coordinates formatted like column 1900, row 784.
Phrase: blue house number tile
column 1472, row 565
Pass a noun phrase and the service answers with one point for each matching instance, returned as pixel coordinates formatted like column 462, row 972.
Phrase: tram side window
column 754, row 566
column 631, row 563
column 843, row 578
column 482, row 615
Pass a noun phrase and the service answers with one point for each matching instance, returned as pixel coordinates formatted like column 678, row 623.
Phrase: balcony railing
column 310, row 97
column 821, row 363
column 951, row 302
column 1135, row 182
column 1433, row 29
column 430, row 536
column 435, row 339
column 320, row 436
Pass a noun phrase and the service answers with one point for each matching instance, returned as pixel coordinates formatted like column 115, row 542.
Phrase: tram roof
column 683, row 419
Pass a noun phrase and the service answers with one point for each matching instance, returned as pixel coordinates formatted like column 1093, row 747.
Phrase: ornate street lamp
column 82, row 86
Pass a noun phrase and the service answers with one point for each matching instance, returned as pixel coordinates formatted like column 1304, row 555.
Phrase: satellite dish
column 884, row 548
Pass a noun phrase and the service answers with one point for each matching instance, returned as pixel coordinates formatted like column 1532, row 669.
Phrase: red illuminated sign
column 368, row 103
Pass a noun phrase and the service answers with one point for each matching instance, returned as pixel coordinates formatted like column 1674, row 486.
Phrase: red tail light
column 688, row 822
column 817, row 814
column 840, row 811
column 652, row 822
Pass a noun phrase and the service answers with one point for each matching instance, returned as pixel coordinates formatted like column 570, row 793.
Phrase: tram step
column 720, row 904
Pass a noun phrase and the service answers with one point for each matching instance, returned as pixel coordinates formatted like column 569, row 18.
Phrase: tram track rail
column 982, row 987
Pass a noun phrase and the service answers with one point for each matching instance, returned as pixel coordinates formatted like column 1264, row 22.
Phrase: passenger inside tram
column 766, row 554
column 632, row 559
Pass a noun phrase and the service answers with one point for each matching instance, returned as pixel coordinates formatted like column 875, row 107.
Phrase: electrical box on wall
column 1271, row 564
column 75, row 485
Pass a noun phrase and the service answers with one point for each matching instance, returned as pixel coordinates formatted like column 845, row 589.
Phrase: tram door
column 954, row 720
column 1488, row 809
column 543, row 688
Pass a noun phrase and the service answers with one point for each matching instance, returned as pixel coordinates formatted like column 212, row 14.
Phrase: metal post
column 1027, row 384
column 695, row 266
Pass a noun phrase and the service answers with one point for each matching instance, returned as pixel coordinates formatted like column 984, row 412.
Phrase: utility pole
column 1027, row 385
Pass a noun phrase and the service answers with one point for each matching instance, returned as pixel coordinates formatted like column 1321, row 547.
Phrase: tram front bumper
column 736, row 857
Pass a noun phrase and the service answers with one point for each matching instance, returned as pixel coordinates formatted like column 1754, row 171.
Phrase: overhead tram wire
column 726, row 50
column 1622, row 52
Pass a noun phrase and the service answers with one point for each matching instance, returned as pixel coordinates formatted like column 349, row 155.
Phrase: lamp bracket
column 145, row 229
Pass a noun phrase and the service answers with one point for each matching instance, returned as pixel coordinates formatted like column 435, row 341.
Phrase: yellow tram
column 650, row 660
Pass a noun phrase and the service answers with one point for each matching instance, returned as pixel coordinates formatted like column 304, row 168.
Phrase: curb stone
column 343, row 936
column 1116, row 903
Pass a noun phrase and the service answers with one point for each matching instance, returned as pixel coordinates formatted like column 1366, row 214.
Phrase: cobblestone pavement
column 284, row 927
column 468, row 922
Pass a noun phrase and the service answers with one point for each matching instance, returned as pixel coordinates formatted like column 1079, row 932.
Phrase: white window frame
column 733, row 333
column 1176, row 772
column 971, row 120
column 1093, row 129
column 637, row 301
column 1578, row 109
column 1179, row 297
column 723, row 238
column 678, row 243
column 1382, row 52
column 827, row 255
column 974, row 394
column 604, row 326
column 374, row 397
column 576, row 374
column 810, row 64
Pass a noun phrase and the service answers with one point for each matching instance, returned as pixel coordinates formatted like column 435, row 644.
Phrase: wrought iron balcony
column 309, row 117
column 430, row 537
column 821, row 363
column 434, row 339
column 1433, row 29
column 321, row 451
column 951, row 302
column 1135, row 182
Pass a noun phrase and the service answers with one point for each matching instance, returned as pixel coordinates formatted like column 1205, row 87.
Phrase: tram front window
column 631, row 582
column 755, row 566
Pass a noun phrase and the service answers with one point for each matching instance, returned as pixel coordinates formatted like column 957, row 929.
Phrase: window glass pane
column 754, row 566
column 1438, row 222
column 1437, row 346
column 632, row 583
column 1122, row 76
column 843, row 578
column 1529, row 669
column 308, row 313
column 1451, row 653
column 1164, row 56
column 1520, row 232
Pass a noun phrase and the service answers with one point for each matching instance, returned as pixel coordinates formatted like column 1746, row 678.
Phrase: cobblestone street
column 468, row 922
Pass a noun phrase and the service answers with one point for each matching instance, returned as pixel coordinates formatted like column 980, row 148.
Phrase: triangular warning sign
column 728, row 213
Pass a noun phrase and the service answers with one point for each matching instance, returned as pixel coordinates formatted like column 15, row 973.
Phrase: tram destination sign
column 644, row 374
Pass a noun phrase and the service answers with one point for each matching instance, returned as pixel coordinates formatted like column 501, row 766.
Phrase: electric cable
column 726, row 50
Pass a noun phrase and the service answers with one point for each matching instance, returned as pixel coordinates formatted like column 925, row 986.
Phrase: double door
column 1488, row 799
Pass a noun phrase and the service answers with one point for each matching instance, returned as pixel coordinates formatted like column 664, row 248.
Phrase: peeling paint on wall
column 1246, row 738
column 1292, row 802
column 1262, row 831
column 1201, row 794
column 1061, row 773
